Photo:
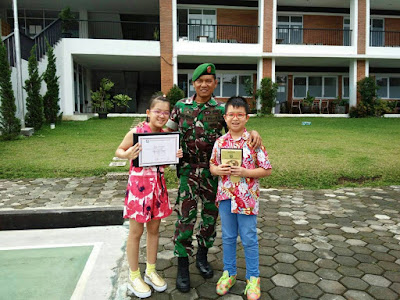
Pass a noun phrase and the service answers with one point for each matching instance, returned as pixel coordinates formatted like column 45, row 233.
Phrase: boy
column 237, row 197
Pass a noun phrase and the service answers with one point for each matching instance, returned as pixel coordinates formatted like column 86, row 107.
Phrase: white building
column 318, row 46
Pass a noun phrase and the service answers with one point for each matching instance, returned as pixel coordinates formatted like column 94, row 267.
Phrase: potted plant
column 307, row 103
column 67, row 20
column 340, row 105
column 102, row 101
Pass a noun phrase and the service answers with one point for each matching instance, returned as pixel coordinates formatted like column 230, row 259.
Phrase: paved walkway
column 324, row 244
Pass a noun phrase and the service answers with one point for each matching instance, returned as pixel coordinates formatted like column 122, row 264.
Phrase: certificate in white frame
column 157, row 149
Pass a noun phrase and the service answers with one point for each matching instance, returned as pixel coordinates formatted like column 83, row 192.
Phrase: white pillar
column 83, row 25
column 367, row 29
column 354, row 23
column 353, row 83
column 68, row 97
column 259, row 78
column 18, row 64
column 174, row 38
column 274, row 22
column 366, row 68
column 261, row 23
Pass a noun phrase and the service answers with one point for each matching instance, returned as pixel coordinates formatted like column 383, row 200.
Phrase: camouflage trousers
column 195, row 184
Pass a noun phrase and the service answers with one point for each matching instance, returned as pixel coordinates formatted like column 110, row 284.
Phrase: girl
column 146, row 201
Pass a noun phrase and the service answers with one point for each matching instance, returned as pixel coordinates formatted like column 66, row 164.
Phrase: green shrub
column 174, row 95
column 51, row 98
column 267, row 93
column 34, row 101
column 10, row 125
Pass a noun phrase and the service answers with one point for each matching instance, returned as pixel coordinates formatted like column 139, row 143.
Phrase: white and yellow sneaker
column 139, row 288
column 155, row 281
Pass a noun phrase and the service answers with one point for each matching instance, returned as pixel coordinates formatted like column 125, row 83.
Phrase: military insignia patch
column 209, row 69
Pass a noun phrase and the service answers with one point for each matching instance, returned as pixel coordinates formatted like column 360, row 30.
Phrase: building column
column 259, row 78
column 268, row 68
column 269, row 29
column 83, row 25
column 353, row 83
column 361, row 74
column 362, row 15
column 67, row 84
column 166, row 45
column 354, row 24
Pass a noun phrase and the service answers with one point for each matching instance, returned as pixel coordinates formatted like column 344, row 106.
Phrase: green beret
column 203, row 69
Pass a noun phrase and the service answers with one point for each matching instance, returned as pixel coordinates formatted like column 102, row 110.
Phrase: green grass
column 329, row 153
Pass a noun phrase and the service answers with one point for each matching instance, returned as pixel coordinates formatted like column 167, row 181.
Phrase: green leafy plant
column 51, row 98
column 34, row 101
column 308, row 100
column 267, row 94
column 67, row 18
column 175, row 94
column 101, row 99
column 10, row 125
column 156, row 34
column 370, row 104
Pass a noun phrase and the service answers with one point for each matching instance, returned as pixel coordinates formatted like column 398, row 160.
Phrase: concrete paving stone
column 331, row 286
column 357, row 295
column 328, row 274
column 266, row 272
column 307, row 277
column 326, row 263
column 353, row 283
column 395, row 287
column 370, row 268
column 308, row 290
column 389, row 266
column 376, row 280
column 191, row 295
column 383, row 256
column 342, row 251
column 284, row 280
column 303, row 255
column 346, row 261
column 268, row 261
column 354, row 242
column 285, row 257
column 207, row 290
column 350, row 271
column 283, row 293
column 383, row 293
column 286, row 249
column 284, row 268
column 267, row 251
column 331, row 297
column 304, row 247
column 365, row 258
column 306, row 266
column 361, row 250
column 325, row 254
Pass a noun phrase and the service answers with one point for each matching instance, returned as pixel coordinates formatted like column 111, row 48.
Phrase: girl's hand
column 238, row 171
column 133, row 152
column 179, row 154
column 223, row 169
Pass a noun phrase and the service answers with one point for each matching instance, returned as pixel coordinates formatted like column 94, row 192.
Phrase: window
column 201, row 23
column 394, row 88
column 330, row 84
column 382, row 84
column 345, row 87
column 300, row 87
column 346, row 32
column 377, row 33
column 317, row 86
column 289, row 29
column 229, row 83
column 389, row 87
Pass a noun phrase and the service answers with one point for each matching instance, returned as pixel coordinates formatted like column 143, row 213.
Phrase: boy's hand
column 133, row 152
column 223, row 169
column 179, row 154
column 238, row 171
column 255, row 139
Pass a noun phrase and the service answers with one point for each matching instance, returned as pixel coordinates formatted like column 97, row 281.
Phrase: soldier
column 200, row 121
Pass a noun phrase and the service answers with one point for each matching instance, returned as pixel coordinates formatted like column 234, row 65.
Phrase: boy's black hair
column 237, row 101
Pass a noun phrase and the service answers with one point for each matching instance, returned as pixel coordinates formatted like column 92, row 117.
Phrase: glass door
column 377, row 33
column 346, row 32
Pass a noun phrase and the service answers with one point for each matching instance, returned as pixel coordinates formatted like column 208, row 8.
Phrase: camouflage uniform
column 199, row 126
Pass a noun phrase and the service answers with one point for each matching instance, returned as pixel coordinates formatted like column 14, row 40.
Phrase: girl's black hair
column 153, row 100
column 237, row 101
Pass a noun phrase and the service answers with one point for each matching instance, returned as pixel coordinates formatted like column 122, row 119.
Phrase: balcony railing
column 379, row 38
column 218, row 33
column 120, row 30
column 313, row 36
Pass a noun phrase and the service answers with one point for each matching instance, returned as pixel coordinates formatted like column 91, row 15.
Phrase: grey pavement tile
column 383, row 293
column 308, row 290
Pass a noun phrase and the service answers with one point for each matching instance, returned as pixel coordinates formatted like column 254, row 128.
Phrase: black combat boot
column 183, row 278
column 202, row 263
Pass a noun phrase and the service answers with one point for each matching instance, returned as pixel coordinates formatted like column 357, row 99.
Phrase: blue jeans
column 246, row 226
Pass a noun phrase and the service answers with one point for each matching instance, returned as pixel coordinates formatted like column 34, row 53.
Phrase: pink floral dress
column 146, row 194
